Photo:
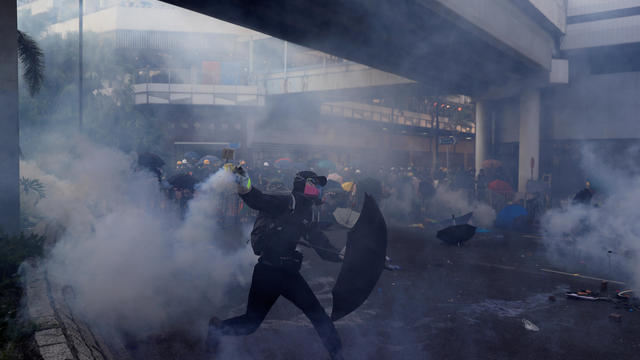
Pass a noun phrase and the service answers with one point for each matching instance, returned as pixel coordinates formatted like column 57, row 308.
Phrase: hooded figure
column 282, row 221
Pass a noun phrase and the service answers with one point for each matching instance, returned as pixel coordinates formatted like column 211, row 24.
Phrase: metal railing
column 391, row 116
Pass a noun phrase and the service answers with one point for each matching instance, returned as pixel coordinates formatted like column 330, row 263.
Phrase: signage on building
column 447, row 140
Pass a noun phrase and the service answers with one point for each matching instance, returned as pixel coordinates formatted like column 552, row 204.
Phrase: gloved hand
column 242, row 180
column 341, row 255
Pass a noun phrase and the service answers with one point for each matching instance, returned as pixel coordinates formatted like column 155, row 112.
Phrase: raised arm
column 321, row 244
column 260, row 201
column 254, row 198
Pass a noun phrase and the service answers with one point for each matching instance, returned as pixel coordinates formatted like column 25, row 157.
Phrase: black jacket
column 282, row 221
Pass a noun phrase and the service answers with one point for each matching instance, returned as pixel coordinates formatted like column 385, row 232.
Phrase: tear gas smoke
column 133, row 265
column 404, row 205
column 603, row 235
column 454, row 202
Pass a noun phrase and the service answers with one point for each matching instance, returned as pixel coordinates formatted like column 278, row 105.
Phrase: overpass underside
column 452, row 46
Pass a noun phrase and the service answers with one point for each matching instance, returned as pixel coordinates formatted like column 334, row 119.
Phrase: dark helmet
column 302, row 177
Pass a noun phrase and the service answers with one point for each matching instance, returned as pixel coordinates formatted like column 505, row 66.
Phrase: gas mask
column 309, row 185
column 312, row 189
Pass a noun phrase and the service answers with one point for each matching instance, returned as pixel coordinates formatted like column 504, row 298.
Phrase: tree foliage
column 31, row 57
column 110, row 114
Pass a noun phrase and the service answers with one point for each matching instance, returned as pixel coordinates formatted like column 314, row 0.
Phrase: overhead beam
column 431, row 41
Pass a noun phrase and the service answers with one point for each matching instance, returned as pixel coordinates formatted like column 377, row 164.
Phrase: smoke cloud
column 603, row 235
column 134, row 266
column 457, row 202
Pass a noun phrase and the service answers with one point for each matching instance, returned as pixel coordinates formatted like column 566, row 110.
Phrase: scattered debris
column 529, row 325
column 392, row 267
column 585, row 295
column 625, row 294
column 615, row 317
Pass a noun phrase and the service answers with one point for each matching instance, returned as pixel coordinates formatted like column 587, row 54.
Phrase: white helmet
column 266, row 164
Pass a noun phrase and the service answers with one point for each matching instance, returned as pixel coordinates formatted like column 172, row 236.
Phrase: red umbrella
column 500, row 186
column 491, row 163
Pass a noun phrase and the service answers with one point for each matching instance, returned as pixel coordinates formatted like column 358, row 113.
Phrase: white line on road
column 581, row 276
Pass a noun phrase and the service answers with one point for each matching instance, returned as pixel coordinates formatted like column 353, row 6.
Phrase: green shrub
column 16, row 338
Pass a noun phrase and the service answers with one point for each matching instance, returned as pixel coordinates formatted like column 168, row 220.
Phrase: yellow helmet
column 179, row 162
column 207, row 162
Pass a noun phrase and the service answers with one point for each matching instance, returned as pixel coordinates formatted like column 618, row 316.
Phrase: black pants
column 267, row 284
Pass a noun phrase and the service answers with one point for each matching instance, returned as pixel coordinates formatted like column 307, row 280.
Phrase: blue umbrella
column 507, row 217
column 326, row 165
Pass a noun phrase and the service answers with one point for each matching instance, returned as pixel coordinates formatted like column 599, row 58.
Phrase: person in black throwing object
column 283, row 220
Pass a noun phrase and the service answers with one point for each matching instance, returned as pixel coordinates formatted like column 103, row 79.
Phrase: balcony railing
column 193, row 94
column 391, row 116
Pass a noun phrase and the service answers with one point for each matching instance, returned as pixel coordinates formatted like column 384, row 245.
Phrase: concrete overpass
column 430, row 41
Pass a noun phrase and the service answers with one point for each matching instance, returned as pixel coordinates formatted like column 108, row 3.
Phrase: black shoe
column 213, row 335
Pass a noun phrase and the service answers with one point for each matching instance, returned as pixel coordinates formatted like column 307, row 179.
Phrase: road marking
column 532, row 236
column 581, row 276
column 504, row 267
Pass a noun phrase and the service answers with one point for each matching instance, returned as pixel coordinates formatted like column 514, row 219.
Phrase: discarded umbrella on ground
column 456, row 234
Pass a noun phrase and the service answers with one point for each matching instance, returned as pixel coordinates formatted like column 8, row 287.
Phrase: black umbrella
column 363, row 262
column 456, row 234
column 183, row 181
column 151, row 162
column 454, row 221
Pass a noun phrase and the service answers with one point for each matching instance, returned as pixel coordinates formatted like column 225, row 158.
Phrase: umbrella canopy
column 456, row 234
column 363, row 262
column 346, row 217
column 150, row 161
column 298, row 166
column 500, row 186
column 335, row 177
column 326, row 165
column 460, row 220
column 491, row 163
column 212, row 158
column 332, row 185
column 183, row 181
column 283, row 163
column 192, row 156
column 508, row 217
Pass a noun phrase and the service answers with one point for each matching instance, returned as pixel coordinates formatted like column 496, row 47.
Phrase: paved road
column 446, row 303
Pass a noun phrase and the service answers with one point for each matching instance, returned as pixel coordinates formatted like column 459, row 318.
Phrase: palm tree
column 32, row 60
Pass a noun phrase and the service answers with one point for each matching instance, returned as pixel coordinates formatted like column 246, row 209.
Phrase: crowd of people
column 403, row 192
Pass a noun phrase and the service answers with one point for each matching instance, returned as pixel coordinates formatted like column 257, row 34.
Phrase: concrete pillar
column 483, row 134
column 9, row 160
column 529, row 138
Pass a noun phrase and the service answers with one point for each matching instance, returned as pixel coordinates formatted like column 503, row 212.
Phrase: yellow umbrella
column 347, row 186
